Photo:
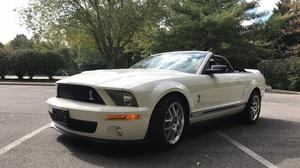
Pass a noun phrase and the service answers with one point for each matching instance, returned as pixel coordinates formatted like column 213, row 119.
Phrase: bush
column 33, row 60
column 52, row 62
column 4, row 64
column 69, row 57
column 282, row 73
column 17, row 64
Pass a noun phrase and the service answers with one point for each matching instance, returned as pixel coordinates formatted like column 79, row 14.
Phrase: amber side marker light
column 123, row 117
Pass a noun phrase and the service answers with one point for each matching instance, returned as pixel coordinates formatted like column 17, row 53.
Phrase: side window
column 218, row 61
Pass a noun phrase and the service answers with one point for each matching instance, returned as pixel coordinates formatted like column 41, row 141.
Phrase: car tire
column 250, row 114
column 167, row 123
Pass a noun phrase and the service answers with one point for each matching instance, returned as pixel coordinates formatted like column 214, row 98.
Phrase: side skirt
column 216, row 112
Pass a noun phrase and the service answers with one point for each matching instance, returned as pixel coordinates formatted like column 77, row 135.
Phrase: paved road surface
column 275, row 138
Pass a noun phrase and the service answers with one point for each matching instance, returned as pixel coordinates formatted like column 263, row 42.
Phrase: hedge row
column 282, row 73
column 29, row 63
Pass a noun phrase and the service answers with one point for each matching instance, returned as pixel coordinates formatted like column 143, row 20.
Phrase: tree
column 292, row 30
column 21, row 42
column 32, row 60
column 283, row 7
column 84, row 49
column 111, row 23
column 281, row 32
column 206, row 25
column 1, row 45
column 52, row 62
column 4, row 62
column 17, row 64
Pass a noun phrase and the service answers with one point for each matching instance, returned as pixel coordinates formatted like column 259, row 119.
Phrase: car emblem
column 91, row 98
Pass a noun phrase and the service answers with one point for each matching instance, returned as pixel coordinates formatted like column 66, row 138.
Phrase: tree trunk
column 20, row 77
column 108, row 63
column 111, row 60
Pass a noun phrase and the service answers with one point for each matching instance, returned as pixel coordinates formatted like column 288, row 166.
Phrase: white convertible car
column 156, row 98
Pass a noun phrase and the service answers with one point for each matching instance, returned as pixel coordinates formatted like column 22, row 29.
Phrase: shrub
column 91, row 62
column 17, row 63
column 69, row 57
column 51, row 63
column 282, row 73
column 4, row 64
column 33, row 60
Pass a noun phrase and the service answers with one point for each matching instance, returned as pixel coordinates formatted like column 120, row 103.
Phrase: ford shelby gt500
column 155, row 99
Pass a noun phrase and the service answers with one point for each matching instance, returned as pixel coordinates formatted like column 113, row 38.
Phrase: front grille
column 79, row 93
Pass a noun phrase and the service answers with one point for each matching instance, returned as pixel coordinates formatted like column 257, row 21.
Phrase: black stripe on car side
column 215, row 110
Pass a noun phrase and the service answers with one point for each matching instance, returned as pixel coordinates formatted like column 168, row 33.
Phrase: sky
column 266, row 5
column 10, row 20
column 11, row 24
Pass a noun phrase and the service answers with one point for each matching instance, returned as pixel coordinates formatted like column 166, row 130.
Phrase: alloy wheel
column 254, row 107
column 174, row 123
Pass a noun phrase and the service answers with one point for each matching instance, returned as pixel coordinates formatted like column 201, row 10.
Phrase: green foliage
column 29, row 62
column 281, row 33
column 26, row 62
column 51, row 63
column 205, row 25
column 69, row 58
column 17, row 64
column 282, row 7
column 89, row 59
column 21, row 42
column 282, row 73
column 1, row 45
column 111, row 23
column 4, row 62
column 86, row 55
column 281, row 36
column 33, row 62
column 292, row 30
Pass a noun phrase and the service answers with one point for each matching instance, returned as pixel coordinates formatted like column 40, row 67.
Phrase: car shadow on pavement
column 200, row 146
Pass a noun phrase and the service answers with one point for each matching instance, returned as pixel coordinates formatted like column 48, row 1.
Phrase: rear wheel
column 167, row 122
column 252, row 110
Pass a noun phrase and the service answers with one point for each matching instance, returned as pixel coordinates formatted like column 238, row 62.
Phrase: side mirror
column 216, row 69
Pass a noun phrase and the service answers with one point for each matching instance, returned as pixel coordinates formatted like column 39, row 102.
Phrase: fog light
column 120, row 131
column 115, row 131
column 123, row 117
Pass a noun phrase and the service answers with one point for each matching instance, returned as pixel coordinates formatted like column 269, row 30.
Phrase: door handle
column 238, row 80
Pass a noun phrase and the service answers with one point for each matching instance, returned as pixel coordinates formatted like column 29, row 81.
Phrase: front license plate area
column 61, row 116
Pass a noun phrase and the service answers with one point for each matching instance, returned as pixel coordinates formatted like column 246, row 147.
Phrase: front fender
column 164, row 88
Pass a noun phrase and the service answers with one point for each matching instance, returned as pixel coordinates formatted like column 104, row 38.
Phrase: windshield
column 188, row 62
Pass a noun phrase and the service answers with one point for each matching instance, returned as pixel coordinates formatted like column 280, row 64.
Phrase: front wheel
column 252, row 110
column 167, row 123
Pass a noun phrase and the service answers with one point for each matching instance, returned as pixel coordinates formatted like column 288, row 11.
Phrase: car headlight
column 122, row 98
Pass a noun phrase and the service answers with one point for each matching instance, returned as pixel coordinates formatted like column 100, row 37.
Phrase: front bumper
column 105, row 129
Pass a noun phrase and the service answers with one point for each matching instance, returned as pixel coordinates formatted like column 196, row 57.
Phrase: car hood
column 122, row 78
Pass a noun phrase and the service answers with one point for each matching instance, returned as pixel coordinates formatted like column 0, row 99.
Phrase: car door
column 223, row 89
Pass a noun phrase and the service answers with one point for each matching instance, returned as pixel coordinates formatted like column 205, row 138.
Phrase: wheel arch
column 180, row 95
column 254, row 85
column 256, row 89
column 167, row 94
